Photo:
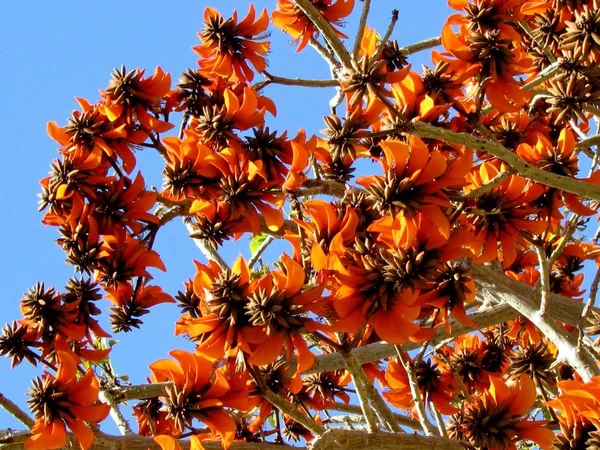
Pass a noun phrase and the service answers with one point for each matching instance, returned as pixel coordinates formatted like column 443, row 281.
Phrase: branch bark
column 568, row 184
column 345, row 439
column 565, row 342
column 14, row 410
column 331, row 440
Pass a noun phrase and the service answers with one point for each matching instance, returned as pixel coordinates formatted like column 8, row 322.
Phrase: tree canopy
column 429, row 290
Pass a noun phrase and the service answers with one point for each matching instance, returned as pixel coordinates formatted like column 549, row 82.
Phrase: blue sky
column 50, row 53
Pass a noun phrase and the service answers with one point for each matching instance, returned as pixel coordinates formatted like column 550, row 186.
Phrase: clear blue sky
column 51, row 52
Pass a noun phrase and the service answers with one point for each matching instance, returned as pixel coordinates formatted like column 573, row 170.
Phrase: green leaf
column 256, row 241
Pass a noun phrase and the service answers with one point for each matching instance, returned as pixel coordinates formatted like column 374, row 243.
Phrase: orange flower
column 216, row 325
column 465, row 357
column 122, row 257
column 125, row 205
column 63, row 401
column 562, row 160
column 435, row 386
column 326, row 232
column 277, row 311
column 495, row 69
column 412, row 189
column 90, row 138
column 498, row 217
column 228, row 45
column 495, row 420
column 133, row 99
column 201, row 391
column 130, row 303
column 290, row 18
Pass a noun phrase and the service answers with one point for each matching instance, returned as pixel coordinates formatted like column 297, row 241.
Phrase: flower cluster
column 419, row 185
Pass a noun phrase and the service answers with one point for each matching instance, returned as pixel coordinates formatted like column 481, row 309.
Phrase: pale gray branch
column 14, row 410
column 566, row 343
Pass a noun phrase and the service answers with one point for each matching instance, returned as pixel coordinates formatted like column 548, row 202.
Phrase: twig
column 326, row 187
column 438, row 420
column 284, row 406
column 416, row 392
column 362, row 24
column 14, row 410
column 540, row 44
column 259, row 251
column 586, row 150
column 544, row 279
column 544, row 75
column 422, row 45
column 566, row 237
column 160, row 148
column 387, row 35
column 325, row 54
column 298, row 81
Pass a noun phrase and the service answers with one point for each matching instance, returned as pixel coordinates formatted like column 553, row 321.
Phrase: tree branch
column 362, row 24
column 566, row 343
column 422, row 45
column 208, row 252
column 413, row 384
column 298, row 81
column 259, row 251
column 560, row 309
column 10, row 440
column 14, row 410
column 349, row 440
column 328, row 33
column 387, row 35
column 115, row 412
column 568, row 184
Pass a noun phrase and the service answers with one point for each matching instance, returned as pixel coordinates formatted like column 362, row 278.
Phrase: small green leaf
column 256, row 241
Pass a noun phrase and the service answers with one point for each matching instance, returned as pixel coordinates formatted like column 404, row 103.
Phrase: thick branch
column 348, row 440
column 588, row 142
column 10, row 440
column 565, row 342
column 568, row 184
column 560, row 308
